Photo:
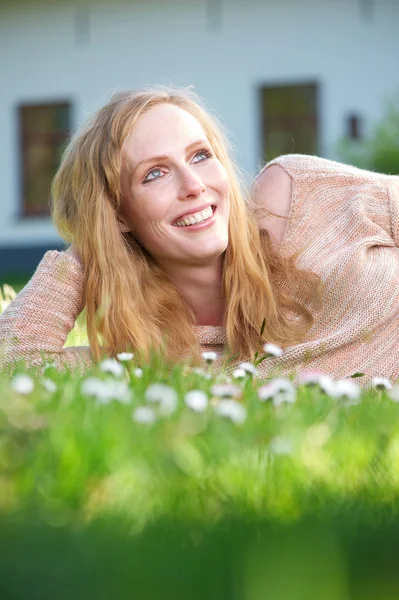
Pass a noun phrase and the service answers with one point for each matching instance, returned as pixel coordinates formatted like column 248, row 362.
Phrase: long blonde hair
column 129, row 301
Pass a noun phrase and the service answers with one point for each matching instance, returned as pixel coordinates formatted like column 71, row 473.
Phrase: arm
column 393, row 191
column 271, row 195
column 34, row 327
column 329, row 195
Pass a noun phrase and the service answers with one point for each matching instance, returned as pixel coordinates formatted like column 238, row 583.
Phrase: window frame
column 287, row 83
column 23, row 143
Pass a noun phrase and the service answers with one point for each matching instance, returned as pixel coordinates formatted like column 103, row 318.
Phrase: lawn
column 159, row 481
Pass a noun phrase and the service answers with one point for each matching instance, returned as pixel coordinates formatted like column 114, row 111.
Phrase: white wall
column 48, row 53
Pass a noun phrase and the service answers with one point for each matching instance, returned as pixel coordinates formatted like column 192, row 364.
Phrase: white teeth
column 196, row 217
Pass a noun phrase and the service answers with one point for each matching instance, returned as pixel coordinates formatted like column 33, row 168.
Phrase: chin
column 215, row 247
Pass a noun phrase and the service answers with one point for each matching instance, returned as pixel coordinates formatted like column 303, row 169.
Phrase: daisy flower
column 164, row 396
column 23, row 384
column 232, row 410
column 124, row 356
column 209, row 357
column 197, row 400
column 111, row 365
column 381, row 383
column 144, row 415
column 248, row 367
column 273, row 350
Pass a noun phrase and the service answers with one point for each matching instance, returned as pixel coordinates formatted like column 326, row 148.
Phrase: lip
column 191, row 212
column 202, row 224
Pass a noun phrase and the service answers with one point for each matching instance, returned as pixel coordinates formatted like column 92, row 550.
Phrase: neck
column 202, row 287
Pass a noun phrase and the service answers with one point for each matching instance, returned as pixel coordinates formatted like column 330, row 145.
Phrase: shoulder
column 294, row 178
column 306, row 166
column 271, row 196
column 273, row 186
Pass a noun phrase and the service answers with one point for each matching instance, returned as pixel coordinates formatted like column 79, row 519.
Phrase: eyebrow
column 165, row 157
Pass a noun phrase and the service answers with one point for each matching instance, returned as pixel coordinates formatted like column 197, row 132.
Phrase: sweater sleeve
column 393, row 188
column 349, row 202
column 35, row 326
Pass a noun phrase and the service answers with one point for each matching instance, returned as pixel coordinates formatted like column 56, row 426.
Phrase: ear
column 124, row 228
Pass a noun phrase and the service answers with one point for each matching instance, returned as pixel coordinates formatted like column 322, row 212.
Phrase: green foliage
column 17, row 281
column 91, row 458
column 301, row 499
column 380, row 150
column 298, row 500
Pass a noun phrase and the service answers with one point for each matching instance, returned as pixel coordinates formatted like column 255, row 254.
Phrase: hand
column 74, row 253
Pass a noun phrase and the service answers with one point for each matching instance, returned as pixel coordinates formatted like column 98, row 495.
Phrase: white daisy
column 49, row 385
column 209, row 357
column 226, row 390
column 163, row 395
column 144, row 415
column 232, row 410
column 23, row 384
column 124, row 356
column 327, row 385
column 91, row 386
column 345, row 388
column 310, row 377
column 120, row 391
column 197, row 400
column 266, row 391
column 111, row 365
column 279, row 390
column 239, row 374
column 105, row 391
column 248, row 367
column 138, row 372
column 381, row 383
column 273, row 350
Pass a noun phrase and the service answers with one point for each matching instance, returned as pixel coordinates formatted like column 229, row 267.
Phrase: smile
column 196, row 218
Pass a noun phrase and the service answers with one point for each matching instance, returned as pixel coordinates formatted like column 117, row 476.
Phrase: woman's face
column 172, row 178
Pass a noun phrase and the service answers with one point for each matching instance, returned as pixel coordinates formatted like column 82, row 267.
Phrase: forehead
column 163, row 129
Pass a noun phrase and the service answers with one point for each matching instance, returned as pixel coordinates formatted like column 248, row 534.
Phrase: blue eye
column 204, row 152
column 155, row 170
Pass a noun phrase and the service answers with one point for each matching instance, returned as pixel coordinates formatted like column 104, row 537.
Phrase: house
column 285, row 76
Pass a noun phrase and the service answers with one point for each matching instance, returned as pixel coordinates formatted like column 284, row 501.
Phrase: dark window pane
column 44, row 131
column 354, row 127
column 289, row 120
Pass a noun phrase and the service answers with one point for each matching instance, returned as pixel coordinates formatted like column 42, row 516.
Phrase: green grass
column 16, row 281
column 204, row 463
column 299, row 501
column 195, row 503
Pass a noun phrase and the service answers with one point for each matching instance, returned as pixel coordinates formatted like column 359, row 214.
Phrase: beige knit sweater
column 345, row 220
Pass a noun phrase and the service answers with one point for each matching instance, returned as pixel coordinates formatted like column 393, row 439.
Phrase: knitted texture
column 345, row 222
column 34, row 327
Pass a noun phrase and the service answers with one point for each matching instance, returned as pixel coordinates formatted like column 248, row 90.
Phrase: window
column 289, row 120
column 354, row 127
column 44, row 130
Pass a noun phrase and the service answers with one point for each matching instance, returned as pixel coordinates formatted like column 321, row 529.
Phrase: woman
column 166, row 253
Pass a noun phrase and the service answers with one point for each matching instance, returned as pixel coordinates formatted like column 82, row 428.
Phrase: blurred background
column 307, row 76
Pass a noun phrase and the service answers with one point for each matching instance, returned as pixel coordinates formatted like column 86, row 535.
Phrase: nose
column 191, row 184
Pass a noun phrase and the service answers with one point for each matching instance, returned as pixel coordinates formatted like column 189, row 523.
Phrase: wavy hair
column 130, row 303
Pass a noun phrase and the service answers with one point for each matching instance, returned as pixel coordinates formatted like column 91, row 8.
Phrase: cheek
column 145, row 210
column 224, row 192
column 223, row 182
column 147, row 224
